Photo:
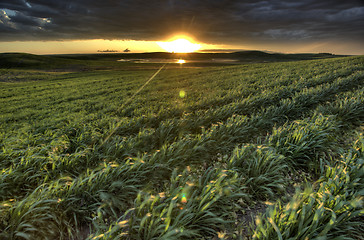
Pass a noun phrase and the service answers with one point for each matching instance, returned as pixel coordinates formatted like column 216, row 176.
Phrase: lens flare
column 182, row 94
column 184, row 199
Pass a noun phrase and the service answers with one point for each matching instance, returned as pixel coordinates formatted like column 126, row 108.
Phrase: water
column 180, row 61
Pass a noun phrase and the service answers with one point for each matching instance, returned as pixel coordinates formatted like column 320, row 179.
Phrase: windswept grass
column 183, row 167
column 263, row 170
column 189, row 209
column 332, row 208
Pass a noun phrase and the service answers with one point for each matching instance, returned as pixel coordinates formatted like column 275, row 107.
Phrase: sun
column 180, row 45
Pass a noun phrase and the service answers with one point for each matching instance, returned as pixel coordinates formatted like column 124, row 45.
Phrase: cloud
column 5, row 22
column 210, row 21
column 287, row 34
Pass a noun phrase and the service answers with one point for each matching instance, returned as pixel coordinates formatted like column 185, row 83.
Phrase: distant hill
column 259, row 55
column 25, row 60
column 241, row 56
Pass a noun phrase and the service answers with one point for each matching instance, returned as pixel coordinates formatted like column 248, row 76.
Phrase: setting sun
column 180, row 45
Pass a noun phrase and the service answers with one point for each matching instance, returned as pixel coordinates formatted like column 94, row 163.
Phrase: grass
column 331, row 209
column 187, row 209
column 180, row 167
column 262, row 169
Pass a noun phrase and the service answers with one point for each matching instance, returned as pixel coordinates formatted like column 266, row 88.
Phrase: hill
column 87, row 61
column 256, row 151
column 24, row 60
column 241, row 56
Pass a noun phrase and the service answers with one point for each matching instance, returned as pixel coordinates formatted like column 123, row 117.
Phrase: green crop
column 76, row 162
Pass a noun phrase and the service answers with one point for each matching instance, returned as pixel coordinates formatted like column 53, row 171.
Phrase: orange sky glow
column 93, row 46
column 89, row 46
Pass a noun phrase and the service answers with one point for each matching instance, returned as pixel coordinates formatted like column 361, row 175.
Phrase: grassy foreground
column 255, row 151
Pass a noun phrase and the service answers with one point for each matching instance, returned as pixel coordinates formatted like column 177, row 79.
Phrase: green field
column 245, row 151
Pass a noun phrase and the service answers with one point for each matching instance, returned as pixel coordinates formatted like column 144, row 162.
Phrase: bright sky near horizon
column 89, row 46
column 92, row 46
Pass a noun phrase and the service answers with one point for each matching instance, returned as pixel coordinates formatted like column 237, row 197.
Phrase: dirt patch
column 247, row 218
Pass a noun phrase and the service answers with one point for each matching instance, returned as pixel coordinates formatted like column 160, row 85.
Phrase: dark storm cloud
column 214, row 21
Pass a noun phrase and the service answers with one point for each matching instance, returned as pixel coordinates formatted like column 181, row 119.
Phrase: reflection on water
column 180, row 61
column 149, row 60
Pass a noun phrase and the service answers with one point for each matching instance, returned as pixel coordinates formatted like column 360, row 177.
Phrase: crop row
column 252, row 171
column 83, row 94
column 186, row 172
column 84, row 196
column 33, row 167
column 332, row 208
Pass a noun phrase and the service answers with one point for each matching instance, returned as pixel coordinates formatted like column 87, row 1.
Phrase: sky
column 86, row 26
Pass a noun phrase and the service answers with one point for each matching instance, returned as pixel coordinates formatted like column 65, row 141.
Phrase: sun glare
column 180, row 45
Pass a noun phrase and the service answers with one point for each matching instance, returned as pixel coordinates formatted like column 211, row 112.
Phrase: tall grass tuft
column 349, row 111
column 33, row 218
column 261, row 168
column 188, row 210
column 303, row 142
column 332, row 210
